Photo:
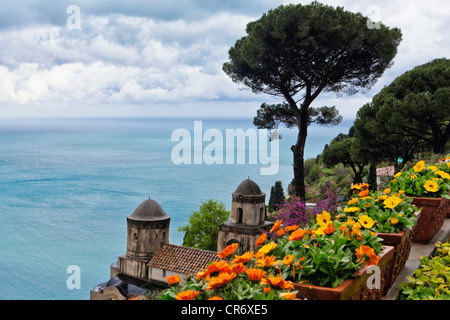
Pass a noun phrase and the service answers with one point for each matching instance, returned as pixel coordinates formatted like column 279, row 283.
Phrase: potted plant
column 246, row 277
column 329, row 260
column 392, row 216
column 444, row 165
column 428, row 186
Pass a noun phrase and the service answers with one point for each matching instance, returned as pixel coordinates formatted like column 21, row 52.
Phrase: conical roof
column 149, row 210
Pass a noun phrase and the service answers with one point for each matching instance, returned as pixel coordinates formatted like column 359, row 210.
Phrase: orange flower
column 238, row 268
column 280, row 232
column 297, row 234
column 245, row 258
column 187, row 295
column 329, row 230
column 215, row 298
column 367, row 255
column 267, row 290
column 228, row 250
column 222, row 279
column 261, row 239
column 363, row 193
column 276, row 226
column 291, row 228
column 173, row 280
column 267, row 261
column 214, row 267
column 278, row 282
column 255, row 274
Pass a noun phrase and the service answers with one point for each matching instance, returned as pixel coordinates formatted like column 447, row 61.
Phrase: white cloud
column 131, row 59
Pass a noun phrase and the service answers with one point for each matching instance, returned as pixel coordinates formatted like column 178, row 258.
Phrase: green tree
column 347, row 152
column 381, row 142
column 203, row 228
column 276, row 196
column 417, row 104
column 298, row 51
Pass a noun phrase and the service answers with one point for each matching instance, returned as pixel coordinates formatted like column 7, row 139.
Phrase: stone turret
column 247, row 219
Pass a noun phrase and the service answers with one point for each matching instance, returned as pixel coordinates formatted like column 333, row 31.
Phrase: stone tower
column 247, row 219
column 147, row 233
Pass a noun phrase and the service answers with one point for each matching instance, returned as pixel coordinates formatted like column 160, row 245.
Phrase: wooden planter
column 350, row 289
column 401, row 242
column 432, row 217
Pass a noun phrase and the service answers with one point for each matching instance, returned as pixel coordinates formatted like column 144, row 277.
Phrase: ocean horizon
column 67, row 186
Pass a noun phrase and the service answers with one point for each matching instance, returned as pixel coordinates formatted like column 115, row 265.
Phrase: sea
column 67, row 186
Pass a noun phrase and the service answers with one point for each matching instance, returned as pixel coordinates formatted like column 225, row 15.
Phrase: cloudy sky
column 164, row 58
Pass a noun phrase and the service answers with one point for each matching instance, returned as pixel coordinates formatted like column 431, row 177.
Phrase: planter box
column 350, row 289
column 447, row 207
column 401, row 242
column 432, row 217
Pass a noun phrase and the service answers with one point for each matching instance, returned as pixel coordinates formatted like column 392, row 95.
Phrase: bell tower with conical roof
column 247, row 220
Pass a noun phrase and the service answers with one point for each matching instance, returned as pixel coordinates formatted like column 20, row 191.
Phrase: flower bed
column 246, row 277
column 429, row 186
column 392, row 216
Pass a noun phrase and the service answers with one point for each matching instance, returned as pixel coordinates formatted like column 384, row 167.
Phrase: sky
column 111, row 58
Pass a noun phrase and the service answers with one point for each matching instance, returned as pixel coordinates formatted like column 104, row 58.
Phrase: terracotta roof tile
column 182, row 259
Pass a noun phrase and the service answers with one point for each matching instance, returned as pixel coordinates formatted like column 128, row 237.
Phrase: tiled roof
column 182, row 259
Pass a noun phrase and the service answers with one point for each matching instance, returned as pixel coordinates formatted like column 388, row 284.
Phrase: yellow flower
column 366, row 221
column 381, row 198
column 352, row 201
column 431, row 186
column 394, row 221
column 419, row 166
column 387, row 191
column 392, row 202
column 352, row 209
column 398, row 174
column 268, row 247
column 432, row 168
column 288, row 260
column 443, row 174
column 288, row 295
column 323, row 219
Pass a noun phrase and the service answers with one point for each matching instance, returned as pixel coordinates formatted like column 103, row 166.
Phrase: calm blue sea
column 67, row 186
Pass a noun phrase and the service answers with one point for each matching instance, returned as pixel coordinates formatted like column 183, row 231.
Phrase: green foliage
column 416, row 104
column 203, row 228
column 432, row 280
column 408, row 117
column 423, row 180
